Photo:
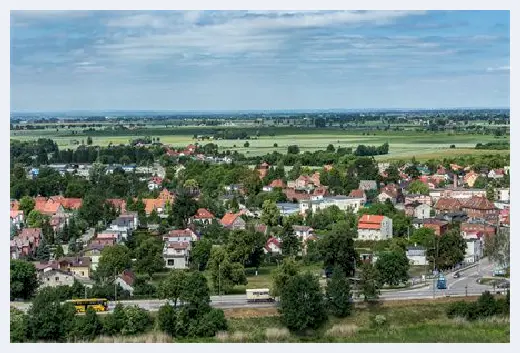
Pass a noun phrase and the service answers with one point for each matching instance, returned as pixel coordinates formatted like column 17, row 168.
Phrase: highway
column 466, row 285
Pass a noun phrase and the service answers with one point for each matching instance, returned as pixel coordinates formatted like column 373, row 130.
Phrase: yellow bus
column 81, row 305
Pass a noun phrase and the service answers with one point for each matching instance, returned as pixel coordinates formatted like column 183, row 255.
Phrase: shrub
column 212, row 322
column 458, row 309
column 18, row 326
column 486, row 305
column 137, row 320
column 342, row 331
column 167, row 319
column 378, row 321
column 276, row 334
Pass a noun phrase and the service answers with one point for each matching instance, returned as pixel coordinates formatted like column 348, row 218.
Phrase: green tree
column 497, row 247
column 35, row 219
column 26, row 205
column 183, row 208
column 91, row 326
column 392, row 174
column 281, row 275
column 330, row 148
column 195, row 293
column 451, row 249
column 58, row 252
column 137, row 320
column 392, row 267
column 114, row 259
column 48, row 319
column 270, row 213
column 200, row 254
column 337, row 248
column 369, row 282
column 89, row 140
column 418, row 187
column 481, row 182
column 490, row 193
column 18, row 326
column 23, row 279
column 301, row 303
column 91, row 209
column 294, row 173
column 293, row 149
column 423, row 237
column 148, row 257
column 225, row 274
column 338, row 294
column 171, row 287
column 167, row 319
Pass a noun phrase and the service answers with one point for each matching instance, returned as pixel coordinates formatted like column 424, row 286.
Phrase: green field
column 403, row 144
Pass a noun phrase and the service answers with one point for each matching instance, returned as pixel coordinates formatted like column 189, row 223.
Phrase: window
column 170, row 262
column 82, row 273
column 56, row 278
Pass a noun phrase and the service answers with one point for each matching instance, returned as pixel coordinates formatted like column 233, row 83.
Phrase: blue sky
column 240, row 60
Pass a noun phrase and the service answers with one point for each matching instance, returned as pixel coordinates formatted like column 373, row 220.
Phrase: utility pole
column 219, row 279
column 115, row 286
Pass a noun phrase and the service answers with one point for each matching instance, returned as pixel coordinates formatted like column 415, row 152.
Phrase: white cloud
column 498, row 68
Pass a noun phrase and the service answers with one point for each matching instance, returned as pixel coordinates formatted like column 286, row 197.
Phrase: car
column 504, row 284
column 456, row 274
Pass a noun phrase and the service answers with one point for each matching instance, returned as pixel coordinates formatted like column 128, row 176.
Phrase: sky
column 258, row 60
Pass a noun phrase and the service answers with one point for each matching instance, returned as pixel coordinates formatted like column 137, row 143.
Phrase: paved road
column 465, row 285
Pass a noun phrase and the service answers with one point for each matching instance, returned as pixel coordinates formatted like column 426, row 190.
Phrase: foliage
column 418, row 187
column 450, row 251
column 270, row 213
column 301, row 303
column 225, row 274
column 90, row 325
column 167, row 319
column 26, row 205
column 18, row 326
column 35, row 219
column 337, row 248
column 137, row 320
column 339, row 297
column 497, row 247
column 392, row 267
column 23, row 279
column 369, row 282
column 282, row 274
column 485, row 306
column 114, row 259
column 200, row 254
column 148, row 256
column 183, row 208
column 171, row 287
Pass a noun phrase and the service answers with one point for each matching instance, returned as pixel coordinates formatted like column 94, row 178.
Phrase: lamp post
column 219, row 280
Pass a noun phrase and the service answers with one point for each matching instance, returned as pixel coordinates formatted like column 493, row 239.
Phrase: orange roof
column 153, row 204
column 370, row 222
column 369, row 226
column 16, row 213
column 229, row 219
column 118, row 203
column 166, row 195
column 203, row 213
column 277, row 183
column 357, row 193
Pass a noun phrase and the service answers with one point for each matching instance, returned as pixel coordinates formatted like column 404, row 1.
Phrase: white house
column 502, row 194
column 371, row 227
column 344, row 203
column 273, row 246
column 176, row 254
column 417, row 256
column 474, row 249
column 52, row 277
column 303, row 232
column 17, row 218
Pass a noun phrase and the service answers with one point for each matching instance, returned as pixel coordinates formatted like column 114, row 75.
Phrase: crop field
column 403, row 144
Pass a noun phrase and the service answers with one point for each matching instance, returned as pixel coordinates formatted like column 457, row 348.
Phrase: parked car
column 456, row 274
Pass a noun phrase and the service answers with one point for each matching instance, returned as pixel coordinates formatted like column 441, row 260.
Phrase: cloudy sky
column 240, row 60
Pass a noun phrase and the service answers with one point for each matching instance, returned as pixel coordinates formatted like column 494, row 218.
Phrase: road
column 465, row 285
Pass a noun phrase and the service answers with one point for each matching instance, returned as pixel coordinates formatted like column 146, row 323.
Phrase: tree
column 246, row 144
column 195, row 293
column 480, row 183
column 293, row 149
column 35, row 219
column 200, row 254
column 148, row 256
column 412, row 171
column 89, row 140
column 330, row 148
column 448, row 250
column 114, row 259
column 423, row 237
column 392, row 267
column 294, row 173
column 337, row 248
column 91, row 326
column 418, row 187
column 270, row 213
column 183, row 208
column 490, row 193
column 282, row 274
column 23, row 279
column 48, row 319
column 392, row 174
column 225, row 273
column 369, row 282
column 91, row 209
column 172, row 286
column 497, row 247
column 291, row 245
column 58, row 252
column 301, row 303
column 26, row 205
column 338, row 294
column 18, row 326
column 167, row 319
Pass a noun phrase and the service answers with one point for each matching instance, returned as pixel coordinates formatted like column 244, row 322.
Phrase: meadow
column 403, row 144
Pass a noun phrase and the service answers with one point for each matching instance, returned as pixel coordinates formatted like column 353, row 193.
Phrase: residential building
column 418, row 198
column 262, row 170
column 52, row 277
column 388, row 193
column 176, row 254
column 303, row 232
column 417, row 210
column 417, row 255
column 447, row 205
column 502, row 194
column 439, row 227
column 25, row 243
column 367, row 185
column 202, row 216
column 17, row 219
column 126, row 280
column 480, row 207
column 118, row 204
column 485, row 229
column 233, row 221
column 344, row 203
column 273, row 246
column 360, row 194
column 79, row 266
column 93, row 252
column 181, row 235
column 474, row 249
column 287, row 209
column 371, row 227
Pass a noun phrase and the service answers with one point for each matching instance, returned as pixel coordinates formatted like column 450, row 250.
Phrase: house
column 371, row 227
column 79, row 266
column 360, row 194
column 181, row 235
column 202, row 216
column 93, row 252
column 447, row 205
column 480, row 207
column 417, row 255
column 496, row 173
column 233, row 221
column 450, row 217
column 367, row 185
column 422, row 199
column 388, row 193
column 474, row 249
column 417, row 210
column 126, row 222
column 273, row 246
column 485, row 229
column 25, row 243
column 52, row 277
column 48, row 207
column 262, row 170
column 16, row 218
column 277, row 183
column 462, row 193
column 439, row 227
column 470, row 178
column 287, row 209
column 126, row 280
column 176, row 254
column 303, row 232
column 344, row 203
column 502, row 194
column 118, row 204
column 158, row 205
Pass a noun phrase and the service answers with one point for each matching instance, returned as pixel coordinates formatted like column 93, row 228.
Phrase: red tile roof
column 181, row 233
column 478, row 203
column 277, row 183
column 360, row 193
column 16, row 213
column 118, row 203
column 229, row 219
column 447, row 204
column 14, row 205
column 177, row 245
column 203, row 213
column 370, row 222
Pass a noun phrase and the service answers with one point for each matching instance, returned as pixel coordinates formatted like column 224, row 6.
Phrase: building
column 439, row 227
column 181, row 235
column 52, row 277
column 287, row 209
column 176, row 254
column 93, row 252
column 417, row 255
column 367, row 185
column 202, row 216
column 344, row 203
column 485, row 229
column 480, row 207
column 233, row 221
column 447, row 205
column 26, row 243
column 502, row 194
column 78, row 266
column 262, row 170
column 371, row 227
column 273, row 246
column 303, row 232
column 474, row 249
column 360, row 194
column 126, row 280
column 418, row 198
column 17, row 219
column 417, row 210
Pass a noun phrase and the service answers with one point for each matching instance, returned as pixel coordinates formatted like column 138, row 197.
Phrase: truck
column 258, row 295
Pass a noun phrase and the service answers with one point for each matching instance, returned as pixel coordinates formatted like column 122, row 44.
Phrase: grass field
column 403, row 144
column 419, row 321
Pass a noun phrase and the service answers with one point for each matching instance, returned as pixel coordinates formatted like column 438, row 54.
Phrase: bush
column 458, row 309
column 137, row 320
column 378, row 321
column 213, row 322
column 167, row 319
column 113, row 323
column 18, row 326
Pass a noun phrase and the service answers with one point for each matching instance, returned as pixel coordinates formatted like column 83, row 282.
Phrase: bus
column 82, row 305
column 258, row 295
column 441, row 282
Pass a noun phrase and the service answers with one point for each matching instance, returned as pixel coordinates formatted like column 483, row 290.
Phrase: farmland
column 403, row 144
